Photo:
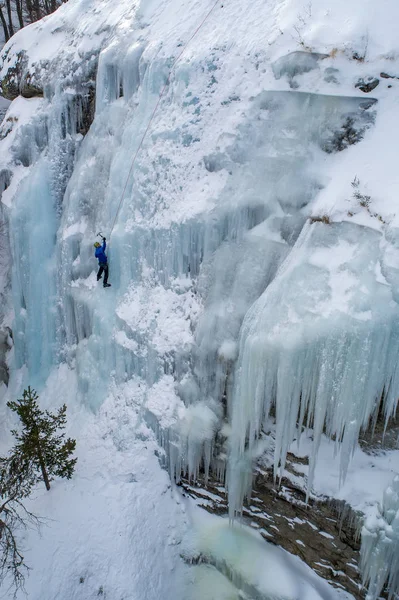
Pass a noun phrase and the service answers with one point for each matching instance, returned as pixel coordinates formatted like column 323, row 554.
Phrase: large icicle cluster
column 380, row 546
column 318, row 349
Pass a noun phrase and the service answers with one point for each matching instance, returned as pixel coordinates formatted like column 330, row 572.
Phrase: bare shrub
column 321, row 219
column 16, row 482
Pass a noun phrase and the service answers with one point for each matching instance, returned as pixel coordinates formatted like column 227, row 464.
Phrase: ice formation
column 48, row 143
column 318, row 349
column 380, row 546
column 228, row 307
column 253, row 565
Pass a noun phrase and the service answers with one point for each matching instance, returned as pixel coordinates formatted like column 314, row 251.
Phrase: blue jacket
column 100, row 254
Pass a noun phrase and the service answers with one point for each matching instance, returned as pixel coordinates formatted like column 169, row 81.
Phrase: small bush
column 321, row 219
column 363, row 200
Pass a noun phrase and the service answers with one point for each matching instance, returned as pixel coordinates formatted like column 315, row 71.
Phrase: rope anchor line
column 167, row 82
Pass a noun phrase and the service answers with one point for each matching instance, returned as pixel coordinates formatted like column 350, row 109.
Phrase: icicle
column 380, row 546
column 319, row 346
column 46, row 147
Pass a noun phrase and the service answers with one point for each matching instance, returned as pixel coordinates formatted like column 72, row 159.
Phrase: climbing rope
column 167, row 82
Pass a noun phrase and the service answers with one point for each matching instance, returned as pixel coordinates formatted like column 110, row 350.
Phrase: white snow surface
column 117, row 525
column 169, row 314
column 211, row 232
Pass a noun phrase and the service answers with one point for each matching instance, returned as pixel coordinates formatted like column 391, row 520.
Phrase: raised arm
column 104, row 244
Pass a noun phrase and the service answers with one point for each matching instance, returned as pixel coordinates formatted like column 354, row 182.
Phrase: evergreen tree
column 39, row 444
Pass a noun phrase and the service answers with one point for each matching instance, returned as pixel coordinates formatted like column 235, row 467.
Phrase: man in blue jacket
column 102, row 261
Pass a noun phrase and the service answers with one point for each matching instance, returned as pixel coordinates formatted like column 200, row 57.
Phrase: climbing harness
column 157, row 105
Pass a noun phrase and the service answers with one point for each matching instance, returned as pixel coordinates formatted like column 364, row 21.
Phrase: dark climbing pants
column 101, row 270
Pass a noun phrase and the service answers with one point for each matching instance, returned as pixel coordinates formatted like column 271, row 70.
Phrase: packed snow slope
column 254, row 255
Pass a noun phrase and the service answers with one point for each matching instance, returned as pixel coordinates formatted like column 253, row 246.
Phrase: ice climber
column 102, row 262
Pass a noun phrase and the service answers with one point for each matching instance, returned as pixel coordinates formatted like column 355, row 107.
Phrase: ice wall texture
column 228, row 308
column 46, row 148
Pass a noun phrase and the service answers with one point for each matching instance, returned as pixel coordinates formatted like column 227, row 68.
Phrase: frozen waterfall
column 44, row 147
column 209, row 260
column 235, row 306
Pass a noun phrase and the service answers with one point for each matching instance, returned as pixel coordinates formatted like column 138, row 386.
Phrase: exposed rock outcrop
column 6, row 343
column 18, row 80
column 367, row 84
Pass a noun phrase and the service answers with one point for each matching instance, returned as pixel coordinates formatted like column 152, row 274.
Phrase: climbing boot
column 106, row 285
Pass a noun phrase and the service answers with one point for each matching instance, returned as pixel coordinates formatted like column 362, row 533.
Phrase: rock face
column 368, row 84
column 18, row 80
column 10, row 82
column 387, row 76
column 5, row 345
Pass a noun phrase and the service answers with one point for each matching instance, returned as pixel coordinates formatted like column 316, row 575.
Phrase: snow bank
column 114, row 530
